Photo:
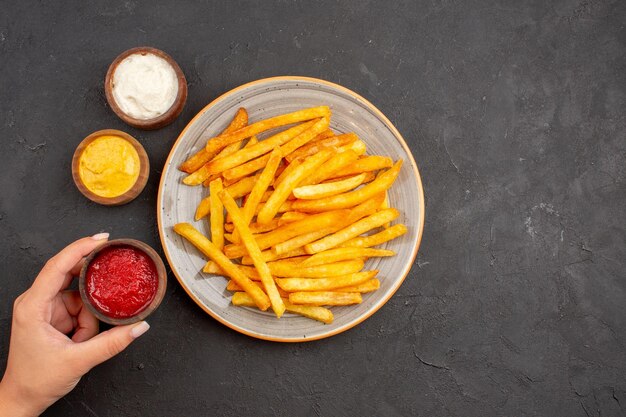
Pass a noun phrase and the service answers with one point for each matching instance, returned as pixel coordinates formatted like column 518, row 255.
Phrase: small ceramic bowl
column 158, row 122
column 160, row 293
column 134, row 191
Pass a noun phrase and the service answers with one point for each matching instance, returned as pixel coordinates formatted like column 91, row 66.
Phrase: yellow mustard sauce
column 109, row 166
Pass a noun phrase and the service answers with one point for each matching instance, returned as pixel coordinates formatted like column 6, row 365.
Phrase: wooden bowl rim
column 160, row 121
column 161, row 276
column 138, row 186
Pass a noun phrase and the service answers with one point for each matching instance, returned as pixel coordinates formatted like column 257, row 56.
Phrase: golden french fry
column 291, row 216
column 368, row 223
column 265, row 179
column 253, row 250
column 365, row 164
column 367, row 286
column 334, row 164
column 213, row 252
column 287, row 231
column 369, row 177
column 258, row 163
column 203, row 208
column 217, row 214
column 324, row 284
column 325, row 298
column 357, row 146
column 311, row 192
column 242, row 187
column 365, row 208
column 203, row 156
column 385, row 204
column 261, row 148
column 342, row 254
column 378, row 238
column 312, row 312
column 285, row 207
column 284, row 189
column 217, row 166
column 287, row 269
column 225, row 152
column 315, row 147
column 229, row 227
column 233, row 286
column 287, row 171
column 298, row 242
column 267, row 124
column 269, row 255
column 351, row 198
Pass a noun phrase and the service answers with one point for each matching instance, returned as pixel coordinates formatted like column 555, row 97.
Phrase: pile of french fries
column 312, row 207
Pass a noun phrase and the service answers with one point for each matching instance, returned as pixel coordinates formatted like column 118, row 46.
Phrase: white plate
column 267, row 98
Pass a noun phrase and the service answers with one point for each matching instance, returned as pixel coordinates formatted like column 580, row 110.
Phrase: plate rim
column 420, row 194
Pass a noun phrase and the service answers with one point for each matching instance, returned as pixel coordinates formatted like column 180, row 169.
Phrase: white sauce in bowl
column 144, row 86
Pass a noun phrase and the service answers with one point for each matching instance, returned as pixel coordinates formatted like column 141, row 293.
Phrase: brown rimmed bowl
column 134, row 191
column 161, row 273
column 158, row 122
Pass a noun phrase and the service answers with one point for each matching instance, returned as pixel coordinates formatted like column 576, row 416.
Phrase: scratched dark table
column 515, row 113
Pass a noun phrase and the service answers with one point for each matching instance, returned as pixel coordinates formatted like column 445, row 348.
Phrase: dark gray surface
column 516, row 117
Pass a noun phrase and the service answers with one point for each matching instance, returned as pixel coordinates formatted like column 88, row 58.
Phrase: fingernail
column 139, row 329
column 100, row 236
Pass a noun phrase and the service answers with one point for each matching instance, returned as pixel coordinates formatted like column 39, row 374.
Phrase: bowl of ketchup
column 123, row 281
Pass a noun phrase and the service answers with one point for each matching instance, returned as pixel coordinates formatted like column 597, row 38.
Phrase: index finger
column 56, row 274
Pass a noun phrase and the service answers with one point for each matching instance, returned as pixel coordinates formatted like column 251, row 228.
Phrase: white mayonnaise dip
column 144, row 86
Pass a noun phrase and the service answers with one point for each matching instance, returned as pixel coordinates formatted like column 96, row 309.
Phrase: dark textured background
column 515, row 113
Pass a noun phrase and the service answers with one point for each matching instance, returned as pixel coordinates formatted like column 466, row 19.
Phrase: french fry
column 213, row 252
column 217, row 214
column 298, row 242
column 261, row 148
column 284, row 269
column 219, row 165
column 357, row 146
column 352, row 198
column 311, row 192
column 256, row 228
column 342, row 254
column 284, row 189
column 265, row 179
column 369, row 177
column 367, row 286
column 365, row 164
column 325, row 298
column 384, row 205
column 376, row 239
column 267, row 124
column 334, row 164
column 368, row 223
column 287, row 148
column 317, row 146
column 324, row 284
column 242, row 187
column 309, row 224
column 203, row 208
column 225, row 152
column 285, row 207
column 233, row 286
column 312, row 312
column 253, row 250
column 269, row 255
column 291, row 216
column 365, row 208
column 287, row 171
column 200, row 158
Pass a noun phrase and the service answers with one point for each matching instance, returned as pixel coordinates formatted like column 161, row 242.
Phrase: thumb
column 109, row 343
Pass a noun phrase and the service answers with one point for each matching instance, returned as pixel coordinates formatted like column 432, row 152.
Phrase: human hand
column 54, row 338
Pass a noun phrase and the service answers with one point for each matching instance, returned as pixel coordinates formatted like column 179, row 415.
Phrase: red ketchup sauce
column 121, row 281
